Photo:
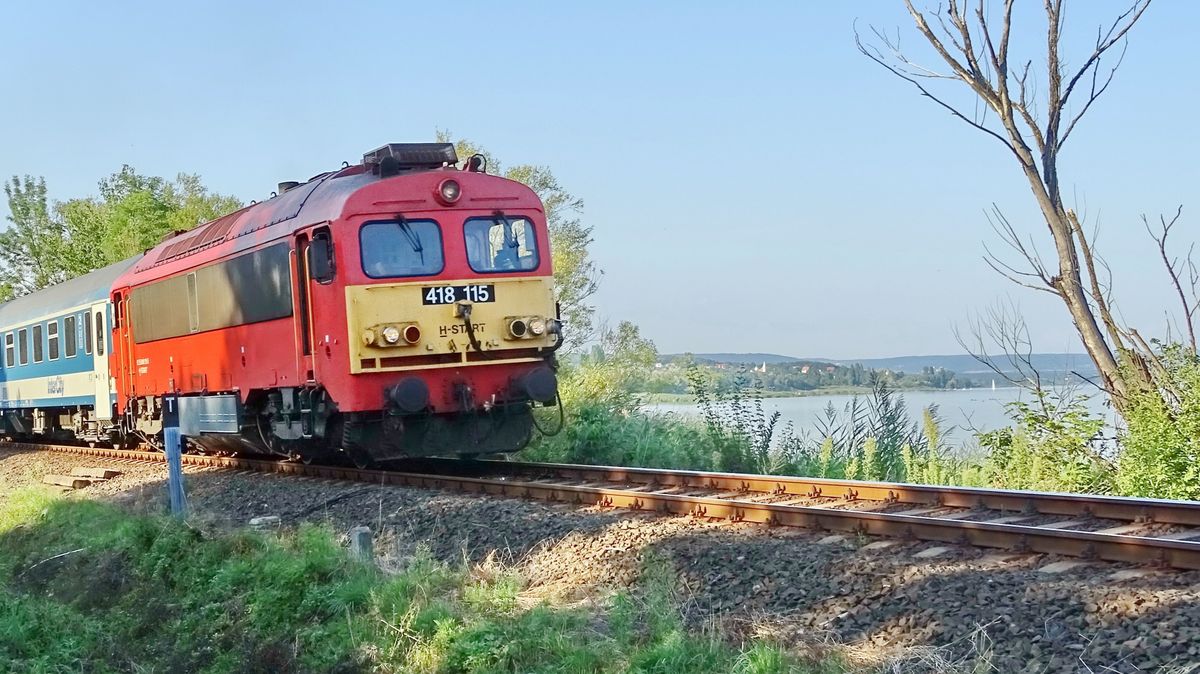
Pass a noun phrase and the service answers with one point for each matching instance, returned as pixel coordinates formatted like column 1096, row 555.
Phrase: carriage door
column 101, row 341
column 303, row 311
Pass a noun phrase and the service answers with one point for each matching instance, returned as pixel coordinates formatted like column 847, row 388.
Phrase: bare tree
column 976, row 53
column 999, row 339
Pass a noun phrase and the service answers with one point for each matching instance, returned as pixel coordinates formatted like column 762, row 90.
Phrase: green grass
column 148, row 594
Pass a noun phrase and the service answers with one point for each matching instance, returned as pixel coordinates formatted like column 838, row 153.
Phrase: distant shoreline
column 689, row 399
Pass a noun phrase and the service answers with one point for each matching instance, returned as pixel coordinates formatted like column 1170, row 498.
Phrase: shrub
column 1054, row 445
column 1161, row 441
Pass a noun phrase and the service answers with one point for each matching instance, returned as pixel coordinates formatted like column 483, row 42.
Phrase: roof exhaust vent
column 288, row 185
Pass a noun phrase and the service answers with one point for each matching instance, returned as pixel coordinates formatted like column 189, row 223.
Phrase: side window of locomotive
column 500, row 244
column 320, row 256
column 38, row 353
column 23, row 345
column 401, row 248
column 10, row 350
column 69, row 337
column 52, row 339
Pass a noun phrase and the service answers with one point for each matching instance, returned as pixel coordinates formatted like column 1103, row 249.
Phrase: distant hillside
column 737, row 358
column 1047, row 363
column 964, row 364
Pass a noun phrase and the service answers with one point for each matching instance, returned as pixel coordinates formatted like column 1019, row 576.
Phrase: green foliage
column 32, row 243
column 87, row 587
column 1053, row 446
column 1161, row 442
column 741, row 435
column 871, row 438
column 47, row 244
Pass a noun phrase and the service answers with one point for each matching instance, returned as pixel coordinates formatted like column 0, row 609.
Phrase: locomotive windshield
column 501, row 243
column 401, row 248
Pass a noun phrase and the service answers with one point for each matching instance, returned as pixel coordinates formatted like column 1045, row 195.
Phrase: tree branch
column 908, row 77
column 1160, row 240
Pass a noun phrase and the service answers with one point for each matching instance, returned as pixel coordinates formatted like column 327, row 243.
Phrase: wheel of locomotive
column 312, row 453
column 354, row 436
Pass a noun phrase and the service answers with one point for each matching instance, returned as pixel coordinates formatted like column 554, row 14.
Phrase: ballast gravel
column 961, row 609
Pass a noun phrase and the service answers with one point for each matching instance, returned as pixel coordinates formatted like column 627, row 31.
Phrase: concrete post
column 362, row 545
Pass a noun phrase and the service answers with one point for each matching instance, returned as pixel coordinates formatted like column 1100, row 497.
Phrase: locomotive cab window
column 321, row 265
column 401, row 248
column 500, row 244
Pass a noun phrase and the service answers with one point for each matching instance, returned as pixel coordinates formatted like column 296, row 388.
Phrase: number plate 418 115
column 452, row 294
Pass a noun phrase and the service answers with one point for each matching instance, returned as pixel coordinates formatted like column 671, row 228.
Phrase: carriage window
column 38, row 353
column 23, row 345
column 10, row 351
column 401, row 248
column 500, row 244
column 87, row 332
column 52, row 339
column 69, row 335
column 99, row 333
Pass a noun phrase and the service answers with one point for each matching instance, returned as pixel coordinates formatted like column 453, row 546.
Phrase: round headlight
column 449, row 191
column 537, row 326
column 517, row 328
column 391, row 334
column 412, row 334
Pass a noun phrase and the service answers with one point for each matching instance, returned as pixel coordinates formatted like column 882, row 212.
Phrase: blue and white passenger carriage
column 54, row 371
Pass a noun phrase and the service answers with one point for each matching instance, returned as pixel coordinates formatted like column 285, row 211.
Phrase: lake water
column 964, row 410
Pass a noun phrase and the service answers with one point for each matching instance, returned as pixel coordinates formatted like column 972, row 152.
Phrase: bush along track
column 89, row 587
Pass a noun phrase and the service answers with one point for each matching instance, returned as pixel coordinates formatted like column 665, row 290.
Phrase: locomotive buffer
column 173, row 445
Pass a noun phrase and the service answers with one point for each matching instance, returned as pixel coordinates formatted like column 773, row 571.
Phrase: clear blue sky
column 754, row 183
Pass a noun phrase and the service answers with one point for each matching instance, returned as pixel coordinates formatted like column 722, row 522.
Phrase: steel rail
column 1162, row 511
column 1184, row 554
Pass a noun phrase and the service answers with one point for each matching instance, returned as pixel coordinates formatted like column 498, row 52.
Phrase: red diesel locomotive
column 400, row 307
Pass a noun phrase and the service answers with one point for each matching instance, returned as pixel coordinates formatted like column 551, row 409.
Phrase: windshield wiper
column 413, row 239
column 508, row 227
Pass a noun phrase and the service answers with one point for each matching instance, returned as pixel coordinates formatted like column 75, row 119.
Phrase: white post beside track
column 173, row 444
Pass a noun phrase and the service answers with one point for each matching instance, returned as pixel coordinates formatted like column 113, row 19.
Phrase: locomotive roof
column 324, row 198
column 91, row 287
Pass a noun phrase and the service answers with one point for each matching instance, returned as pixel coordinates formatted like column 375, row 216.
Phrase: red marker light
column 449, row 191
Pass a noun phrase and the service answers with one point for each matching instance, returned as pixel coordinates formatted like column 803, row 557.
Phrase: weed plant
column 1054, row 443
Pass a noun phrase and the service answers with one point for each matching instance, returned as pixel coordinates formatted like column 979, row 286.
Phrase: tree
column 48, row 244
column 977, row 55
column 576, row 277
column 31, row 247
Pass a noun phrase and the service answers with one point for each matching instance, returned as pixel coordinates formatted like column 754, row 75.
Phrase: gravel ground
column 964, row 609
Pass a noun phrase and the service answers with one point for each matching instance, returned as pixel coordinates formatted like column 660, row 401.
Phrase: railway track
column 1141, row 531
